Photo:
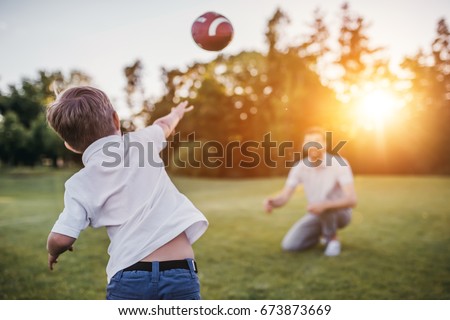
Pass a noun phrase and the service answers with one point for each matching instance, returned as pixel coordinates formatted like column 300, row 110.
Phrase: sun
column 376, row 108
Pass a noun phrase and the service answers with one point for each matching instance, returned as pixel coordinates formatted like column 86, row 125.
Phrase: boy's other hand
column 52, row 260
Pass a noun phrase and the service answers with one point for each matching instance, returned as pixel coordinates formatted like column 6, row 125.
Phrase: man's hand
column 268, row 205
column 278, row 200
column 348, row 200
column 316, row 208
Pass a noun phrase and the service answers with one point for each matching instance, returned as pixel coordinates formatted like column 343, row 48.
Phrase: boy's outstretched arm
column 170, row 121
column 56, row 244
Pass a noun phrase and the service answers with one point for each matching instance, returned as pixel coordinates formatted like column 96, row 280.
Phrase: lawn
column 397, row 246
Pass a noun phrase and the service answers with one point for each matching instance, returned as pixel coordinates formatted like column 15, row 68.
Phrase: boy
column 124, row 187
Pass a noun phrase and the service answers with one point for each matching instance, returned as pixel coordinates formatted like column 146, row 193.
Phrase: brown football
column 212, row 31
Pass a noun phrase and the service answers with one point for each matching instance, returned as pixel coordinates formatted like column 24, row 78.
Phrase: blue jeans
column 174, row 284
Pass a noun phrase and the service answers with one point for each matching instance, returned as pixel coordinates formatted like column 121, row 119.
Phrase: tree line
column 281, row 91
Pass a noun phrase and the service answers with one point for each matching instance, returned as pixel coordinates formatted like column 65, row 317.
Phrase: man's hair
column 81, row 115
column 316, row 130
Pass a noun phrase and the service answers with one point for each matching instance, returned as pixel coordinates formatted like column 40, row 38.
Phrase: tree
column 298, row 98
column 245, row 96
column 25, row 136
column 15, row 141
column 316, row 46
column 441, row 57
column 356, row 56
column 429, row 103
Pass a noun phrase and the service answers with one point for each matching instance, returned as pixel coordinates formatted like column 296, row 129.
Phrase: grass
column 397, row 246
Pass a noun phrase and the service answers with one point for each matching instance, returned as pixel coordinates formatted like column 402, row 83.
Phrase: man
column 329, row 189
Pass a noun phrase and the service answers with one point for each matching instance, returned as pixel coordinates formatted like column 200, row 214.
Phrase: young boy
column 125, row 188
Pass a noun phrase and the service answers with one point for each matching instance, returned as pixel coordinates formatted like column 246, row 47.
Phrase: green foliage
column 429, row 102
column 280, row 91
column 245, row 96
column 25, row 137
column 356, row 55
column 394, row 248
column 14, row 140
column 242, row 97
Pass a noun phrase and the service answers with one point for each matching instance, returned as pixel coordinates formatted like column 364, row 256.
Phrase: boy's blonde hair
column 82, row 115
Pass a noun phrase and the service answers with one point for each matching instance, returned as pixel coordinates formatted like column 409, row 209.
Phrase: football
column 212, row 31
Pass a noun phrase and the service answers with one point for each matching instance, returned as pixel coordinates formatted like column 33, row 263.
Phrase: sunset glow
column 376, row 108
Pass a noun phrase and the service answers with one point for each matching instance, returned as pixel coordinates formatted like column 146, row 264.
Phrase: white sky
column 100, row 37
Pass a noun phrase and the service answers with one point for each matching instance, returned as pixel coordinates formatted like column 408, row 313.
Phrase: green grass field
column 397, row 246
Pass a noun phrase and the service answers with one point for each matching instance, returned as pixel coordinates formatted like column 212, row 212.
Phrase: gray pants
column 306, row 232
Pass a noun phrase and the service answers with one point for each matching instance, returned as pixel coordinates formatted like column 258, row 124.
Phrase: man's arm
column 279, row 200
column 170, row 121
column 56, row 244
column 348, row 200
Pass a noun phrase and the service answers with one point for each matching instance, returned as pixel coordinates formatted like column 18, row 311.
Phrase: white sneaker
column 333, row 248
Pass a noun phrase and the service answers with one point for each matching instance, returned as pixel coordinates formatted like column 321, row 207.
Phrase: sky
column 102, row 37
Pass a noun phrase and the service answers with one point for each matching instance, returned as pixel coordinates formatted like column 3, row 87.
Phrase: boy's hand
column 181, row 109
column 170, row 121
column 54, row 259
column 51, row 261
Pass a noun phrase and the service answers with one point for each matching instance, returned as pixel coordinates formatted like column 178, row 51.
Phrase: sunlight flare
column 377, row 107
